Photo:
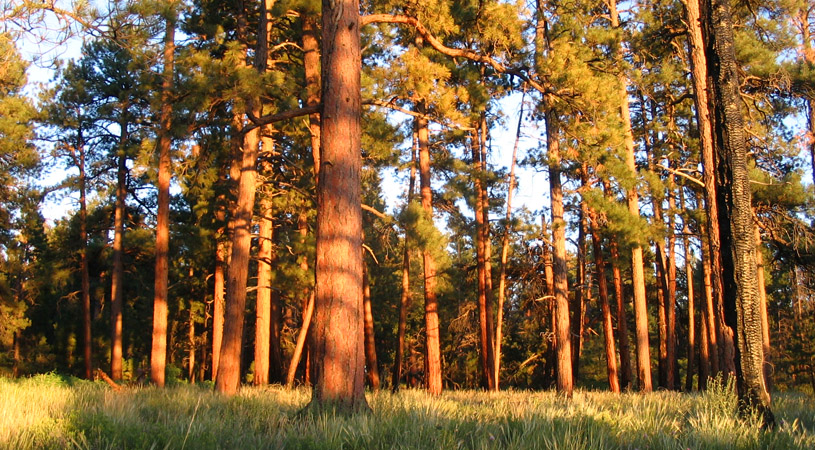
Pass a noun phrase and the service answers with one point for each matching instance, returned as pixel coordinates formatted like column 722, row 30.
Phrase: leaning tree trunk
column 739, row 279
column 338, row 355
column 158, row 356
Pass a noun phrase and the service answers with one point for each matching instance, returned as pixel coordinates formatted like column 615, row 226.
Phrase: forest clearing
column 49, row 411
column 278, row 208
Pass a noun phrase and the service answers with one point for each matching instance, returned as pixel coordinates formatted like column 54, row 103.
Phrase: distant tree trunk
column 581, row 292
column 765, row 319
column 404, row 299
column 158, row 356
column 485, row 354
column 311, row 67
column 626, row 371
column 371, row 365
column 691, row 297
column 300, row 344
column 485, row 231
column 431, row 304
column 637, row 270
column 263, row 307
column 502, row 277
column 191, row 343
column 218, row 307
column 338, row 357
column 559, row 269
column 742, row 304
column 673, row 368
column 704, row 351
column 117, row 276
column 602, row 291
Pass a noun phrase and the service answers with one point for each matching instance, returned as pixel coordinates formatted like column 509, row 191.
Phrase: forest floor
column 49, row 411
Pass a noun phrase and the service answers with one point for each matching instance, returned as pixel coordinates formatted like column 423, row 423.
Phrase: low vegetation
column 49, row 411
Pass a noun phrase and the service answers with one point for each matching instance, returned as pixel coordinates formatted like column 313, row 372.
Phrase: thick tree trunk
column 371, row 365
column 722, row 347
column 338, row 357
column 404, row 299
column 433, row 341
column 739, row 280
column 560, row 270
column 117, row 276
column 158, row 356
column 704, row 351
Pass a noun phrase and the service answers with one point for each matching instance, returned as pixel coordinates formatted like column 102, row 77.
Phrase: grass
column 48, row 411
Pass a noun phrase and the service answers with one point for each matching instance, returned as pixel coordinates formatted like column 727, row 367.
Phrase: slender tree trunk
column 742, row 304
column 673, row 369
column 229, row 372
column 637, row 270
column 765, row 319
column 218, row 307
column 404, row 300
column 602, row 291
column 371, row 365
column 485, row 355
column 263, row 307
column 433, row 342
column 581, row 291
column 300, row 344
column 704, row 351
column 191, row 344
column 485, row 231
column 560, row 270
column 626, row 371
column 689, row 258
column 158, row 356
column 502, row 277
column 117, row 277
column 311, row 67
column 338, row 357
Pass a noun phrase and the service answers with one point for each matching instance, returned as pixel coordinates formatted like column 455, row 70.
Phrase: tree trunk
column 559, row 269
column 229, row 372
column 485, row 354
column 158, row 356
column 191, row 344
column 485, row 231
column 691, row 300
column 626, row 371
column 404, row 300
column 263, row 307
column 502, row 277
column 218, row 307
column 602, row 291
column 431, row 305
column 723, row 346
column 338, row 356
column 371, row 365
column 117, row 277
column 581, row 291
column 311, row 67
column 765, row 319
column 739, row 280
column 637, row 270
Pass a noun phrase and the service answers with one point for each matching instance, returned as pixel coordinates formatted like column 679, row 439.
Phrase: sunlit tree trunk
column 485, row 354
column 605, row 308
column 338, row 356
column 404, row 299
column 158, row 354
column 371, row 364
column 433, row 342
column 765, row 319
column 218, row 307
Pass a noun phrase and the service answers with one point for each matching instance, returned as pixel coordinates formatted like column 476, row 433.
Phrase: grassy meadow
column 49, row 411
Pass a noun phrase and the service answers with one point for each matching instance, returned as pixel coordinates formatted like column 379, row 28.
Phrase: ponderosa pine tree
column 338, row 354
column 740, row 284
